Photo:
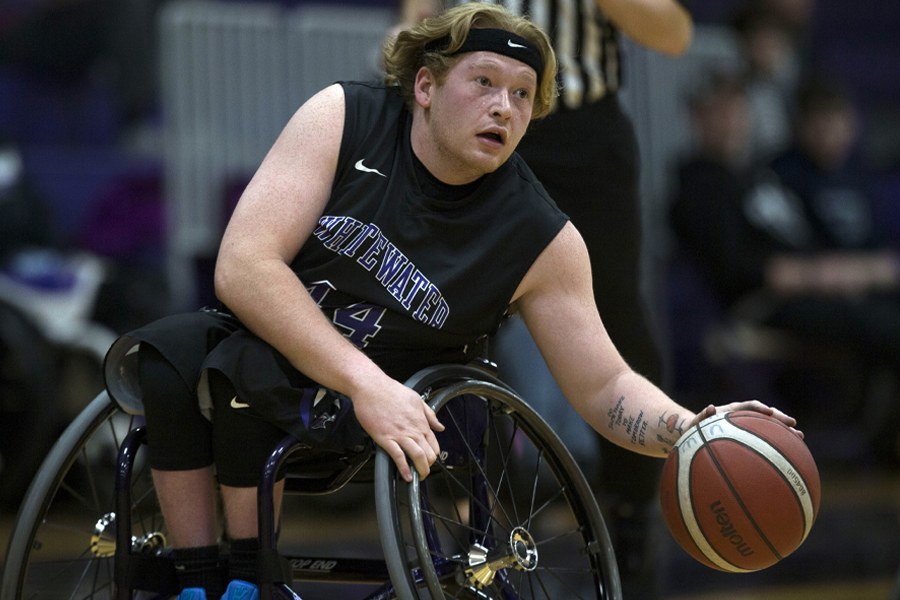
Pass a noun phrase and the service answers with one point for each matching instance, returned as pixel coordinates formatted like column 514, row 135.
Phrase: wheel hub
column 103, row 541
column 519, row 552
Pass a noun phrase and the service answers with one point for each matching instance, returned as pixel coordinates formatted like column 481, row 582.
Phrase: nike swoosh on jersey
column 236, row 404
column 513, row 45
column 360, row 167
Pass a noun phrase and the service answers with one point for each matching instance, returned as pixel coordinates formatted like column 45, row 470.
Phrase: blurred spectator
column 797, row 14
column 795, row 246
column 28, row 367
column 25, row 215
column 61, row 38
column 65, row 45
column 773, row 66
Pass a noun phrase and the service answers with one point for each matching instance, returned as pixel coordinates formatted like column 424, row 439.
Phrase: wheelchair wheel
column 63, row 539
column 505, row 514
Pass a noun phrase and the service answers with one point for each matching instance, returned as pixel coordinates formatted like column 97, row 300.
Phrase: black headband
column 499, row 41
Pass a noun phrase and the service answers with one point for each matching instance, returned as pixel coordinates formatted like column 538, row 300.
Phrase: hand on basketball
column 754, row 405
column 401, row 423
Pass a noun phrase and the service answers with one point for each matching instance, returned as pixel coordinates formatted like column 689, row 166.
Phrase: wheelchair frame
column 427, row 554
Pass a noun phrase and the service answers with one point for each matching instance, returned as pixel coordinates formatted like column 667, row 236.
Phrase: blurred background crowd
column 771, row 183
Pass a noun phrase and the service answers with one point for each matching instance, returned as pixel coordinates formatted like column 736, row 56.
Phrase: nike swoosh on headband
column 514, row 45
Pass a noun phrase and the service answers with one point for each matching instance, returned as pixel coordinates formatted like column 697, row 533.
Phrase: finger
column 433, row 421
column 798, row 433
column 399, row 457
column 428, row 447
column 432, row 442
column 430, row 454
column 784, row 418
column 417, row 455
column 703, row 415
column 759, row 407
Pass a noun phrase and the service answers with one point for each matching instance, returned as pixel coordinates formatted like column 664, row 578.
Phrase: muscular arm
column 662, row 25
column 276, row 214
column 556, row 302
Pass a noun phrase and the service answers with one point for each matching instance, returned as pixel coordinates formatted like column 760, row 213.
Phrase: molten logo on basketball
column 728, row 531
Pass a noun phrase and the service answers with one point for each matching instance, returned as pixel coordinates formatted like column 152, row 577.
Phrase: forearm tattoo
column 673, row 423
column 636, row 425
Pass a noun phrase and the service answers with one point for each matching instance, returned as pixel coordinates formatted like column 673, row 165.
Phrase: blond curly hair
column 406, row 53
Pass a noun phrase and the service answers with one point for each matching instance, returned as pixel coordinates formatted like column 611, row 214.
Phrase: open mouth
column 492, row 137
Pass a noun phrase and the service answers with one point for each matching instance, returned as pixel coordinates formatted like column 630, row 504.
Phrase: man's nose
column 502, row 106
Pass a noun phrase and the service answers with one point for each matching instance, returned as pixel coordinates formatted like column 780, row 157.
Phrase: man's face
column 828, row 135
column 476, row 117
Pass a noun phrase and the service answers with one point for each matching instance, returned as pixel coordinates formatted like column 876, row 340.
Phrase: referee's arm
column 663, row 25
column 413, row 11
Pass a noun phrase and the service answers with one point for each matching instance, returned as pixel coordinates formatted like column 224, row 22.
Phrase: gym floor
column 852, row 553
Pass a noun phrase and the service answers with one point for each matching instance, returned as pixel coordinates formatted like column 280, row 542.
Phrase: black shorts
column 263, row 381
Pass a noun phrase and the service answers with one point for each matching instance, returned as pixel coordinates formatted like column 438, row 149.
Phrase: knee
column 163, row 390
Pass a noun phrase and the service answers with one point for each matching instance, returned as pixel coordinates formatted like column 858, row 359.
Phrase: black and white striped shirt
column 586, row 45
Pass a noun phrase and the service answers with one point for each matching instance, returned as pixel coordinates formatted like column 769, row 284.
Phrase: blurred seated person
column 795, row 244
column 772, row 69
column 92, row 43
column 26, row 219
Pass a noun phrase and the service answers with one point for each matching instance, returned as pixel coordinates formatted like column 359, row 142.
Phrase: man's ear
column 424, row 87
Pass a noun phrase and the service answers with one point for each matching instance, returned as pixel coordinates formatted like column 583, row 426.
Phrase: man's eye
column 523, row 94
column 483, row 81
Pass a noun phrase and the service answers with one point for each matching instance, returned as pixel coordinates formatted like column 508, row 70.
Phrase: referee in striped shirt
column 586, row 156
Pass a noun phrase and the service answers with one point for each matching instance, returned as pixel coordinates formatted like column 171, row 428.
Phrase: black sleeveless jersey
column 409, row 279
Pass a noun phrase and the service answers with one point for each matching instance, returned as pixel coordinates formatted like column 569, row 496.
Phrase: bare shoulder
column 321, row 114
column 285, row 198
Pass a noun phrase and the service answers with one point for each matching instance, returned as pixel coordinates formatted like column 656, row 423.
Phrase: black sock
column 242, row 563
column 199, row 568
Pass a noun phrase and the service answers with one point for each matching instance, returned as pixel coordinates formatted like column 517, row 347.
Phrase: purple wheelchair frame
column 156, row 574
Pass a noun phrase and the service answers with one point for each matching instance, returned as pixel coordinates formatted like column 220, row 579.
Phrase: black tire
column 544, row 502
column 55, row 549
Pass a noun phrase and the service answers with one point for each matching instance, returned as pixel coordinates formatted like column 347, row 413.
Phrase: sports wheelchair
column 505, row 515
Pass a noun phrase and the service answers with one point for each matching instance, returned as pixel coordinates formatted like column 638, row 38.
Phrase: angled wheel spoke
column 534, row 487
column 474, row 458
column 577, row 530
column 446, row 521
column 505, row 459
column 487, row 509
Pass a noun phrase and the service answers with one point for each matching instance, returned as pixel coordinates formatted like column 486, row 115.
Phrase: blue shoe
column 241, row 590
column 192, row 594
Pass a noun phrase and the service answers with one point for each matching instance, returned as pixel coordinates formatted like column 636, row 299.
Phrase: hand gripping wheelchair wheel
column 505, row 513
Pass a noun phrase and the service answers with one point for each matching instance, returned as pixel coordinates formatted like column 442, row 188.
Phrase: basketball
column 740, row 491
